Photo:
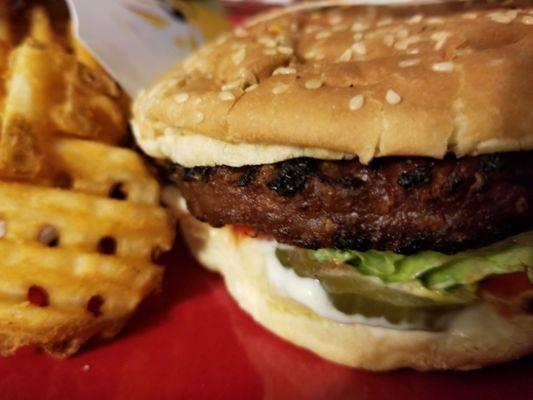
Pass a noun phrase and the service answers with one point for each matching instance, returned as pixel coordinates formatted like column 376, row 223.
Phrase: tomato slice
column 507, row 286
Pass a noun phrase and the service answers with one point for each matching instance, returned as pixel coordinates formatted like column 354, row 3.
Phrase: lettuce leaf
column 438, row 271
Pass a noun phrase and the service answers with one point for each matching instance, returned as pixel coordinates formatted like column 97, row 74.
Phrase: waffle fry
column 80, row 220
column 75, row 296
column 78, row 247
column 121, row 172
column 50, row 92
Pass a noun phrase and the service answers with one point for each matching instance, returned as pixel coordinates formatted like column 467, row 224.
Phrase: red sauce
column 239, row 230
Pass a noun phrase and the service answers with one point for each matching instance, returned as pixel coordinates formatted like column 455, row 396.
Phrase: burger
column 362, row 177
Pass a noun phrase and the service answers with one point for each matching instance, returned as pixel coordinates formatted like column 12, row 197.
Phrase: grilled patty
column 399, row 204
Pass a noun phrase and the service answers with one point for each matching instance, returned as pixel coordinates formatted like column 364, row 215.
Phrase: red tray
column 193, row 341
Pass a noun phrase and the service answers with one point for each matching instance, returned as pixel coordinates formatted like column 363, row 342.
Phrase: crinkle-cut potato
column 50, row 92
column 121, row 171
column 77, row 258
column 80, row 219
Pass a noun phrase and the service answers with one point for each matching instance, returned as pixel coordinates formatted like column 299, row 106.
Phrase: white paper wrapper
column 135, row 40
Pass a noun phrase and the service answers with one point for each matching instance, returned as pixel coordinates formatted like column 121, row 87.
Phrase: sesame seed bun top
column 364, row 81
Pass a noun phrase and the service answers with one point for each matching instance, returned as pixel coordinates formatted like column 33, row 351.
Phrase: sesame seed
column 446, row 66
column 335, row 19
column 267, row 41
column 232, row 85
column 269, row 52
column 470, row 15
column 346, row 56
column 463, row 52
column 409, row 63
column 165, row 86
column 360, row 26
column 393, row 97
column 197, row 117
column 384, row 22
column 313, row 84
column 338, row 28
column 247, row 75
column 181, row 97
column 402, row 33
column 415, row 19
column 281, row 88
column 239, row 55
column 359, row 48
column 220, row 40
column 311, row 28
column 356, row 102
column 283, row 71
column 503, row 17
column 527, row 20
column 376, row 34
column 240, row 32
column 403, row 44
column 358, row 36
column 226, row 96
column 251, row 87
column 285, row 50
column 435, row 21
column 440, row 37
column 388, row 40
column 323, row 35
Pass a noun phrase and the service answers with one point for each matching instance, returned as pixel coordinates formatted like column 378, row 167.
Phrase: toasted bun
column 477, row 338
column 364, row 81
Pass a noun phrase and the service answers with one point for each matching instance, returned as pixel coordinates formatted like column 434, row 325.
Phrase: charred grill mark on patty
column 398, row 204
column 415, row 178
column 359, row 242
column 196, row 174
column 491, row 163
column 454, row 185
column 248, row 176
column 291, row 176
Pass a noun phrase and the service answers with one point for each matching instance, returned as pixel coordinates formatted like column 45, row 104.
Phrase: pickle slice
column 354, row 293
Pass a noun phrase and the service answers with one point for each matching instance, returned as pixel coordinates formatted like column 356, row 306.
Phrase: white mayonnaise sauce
column 310, row 293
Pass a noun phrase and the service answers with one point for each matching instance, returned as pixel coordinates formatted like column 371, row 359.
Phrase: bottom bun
column 476, row 338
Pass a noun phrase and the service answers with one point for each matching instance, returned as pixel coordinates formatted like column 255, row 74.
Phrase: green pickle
column 416, row 290
column 354, row 293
